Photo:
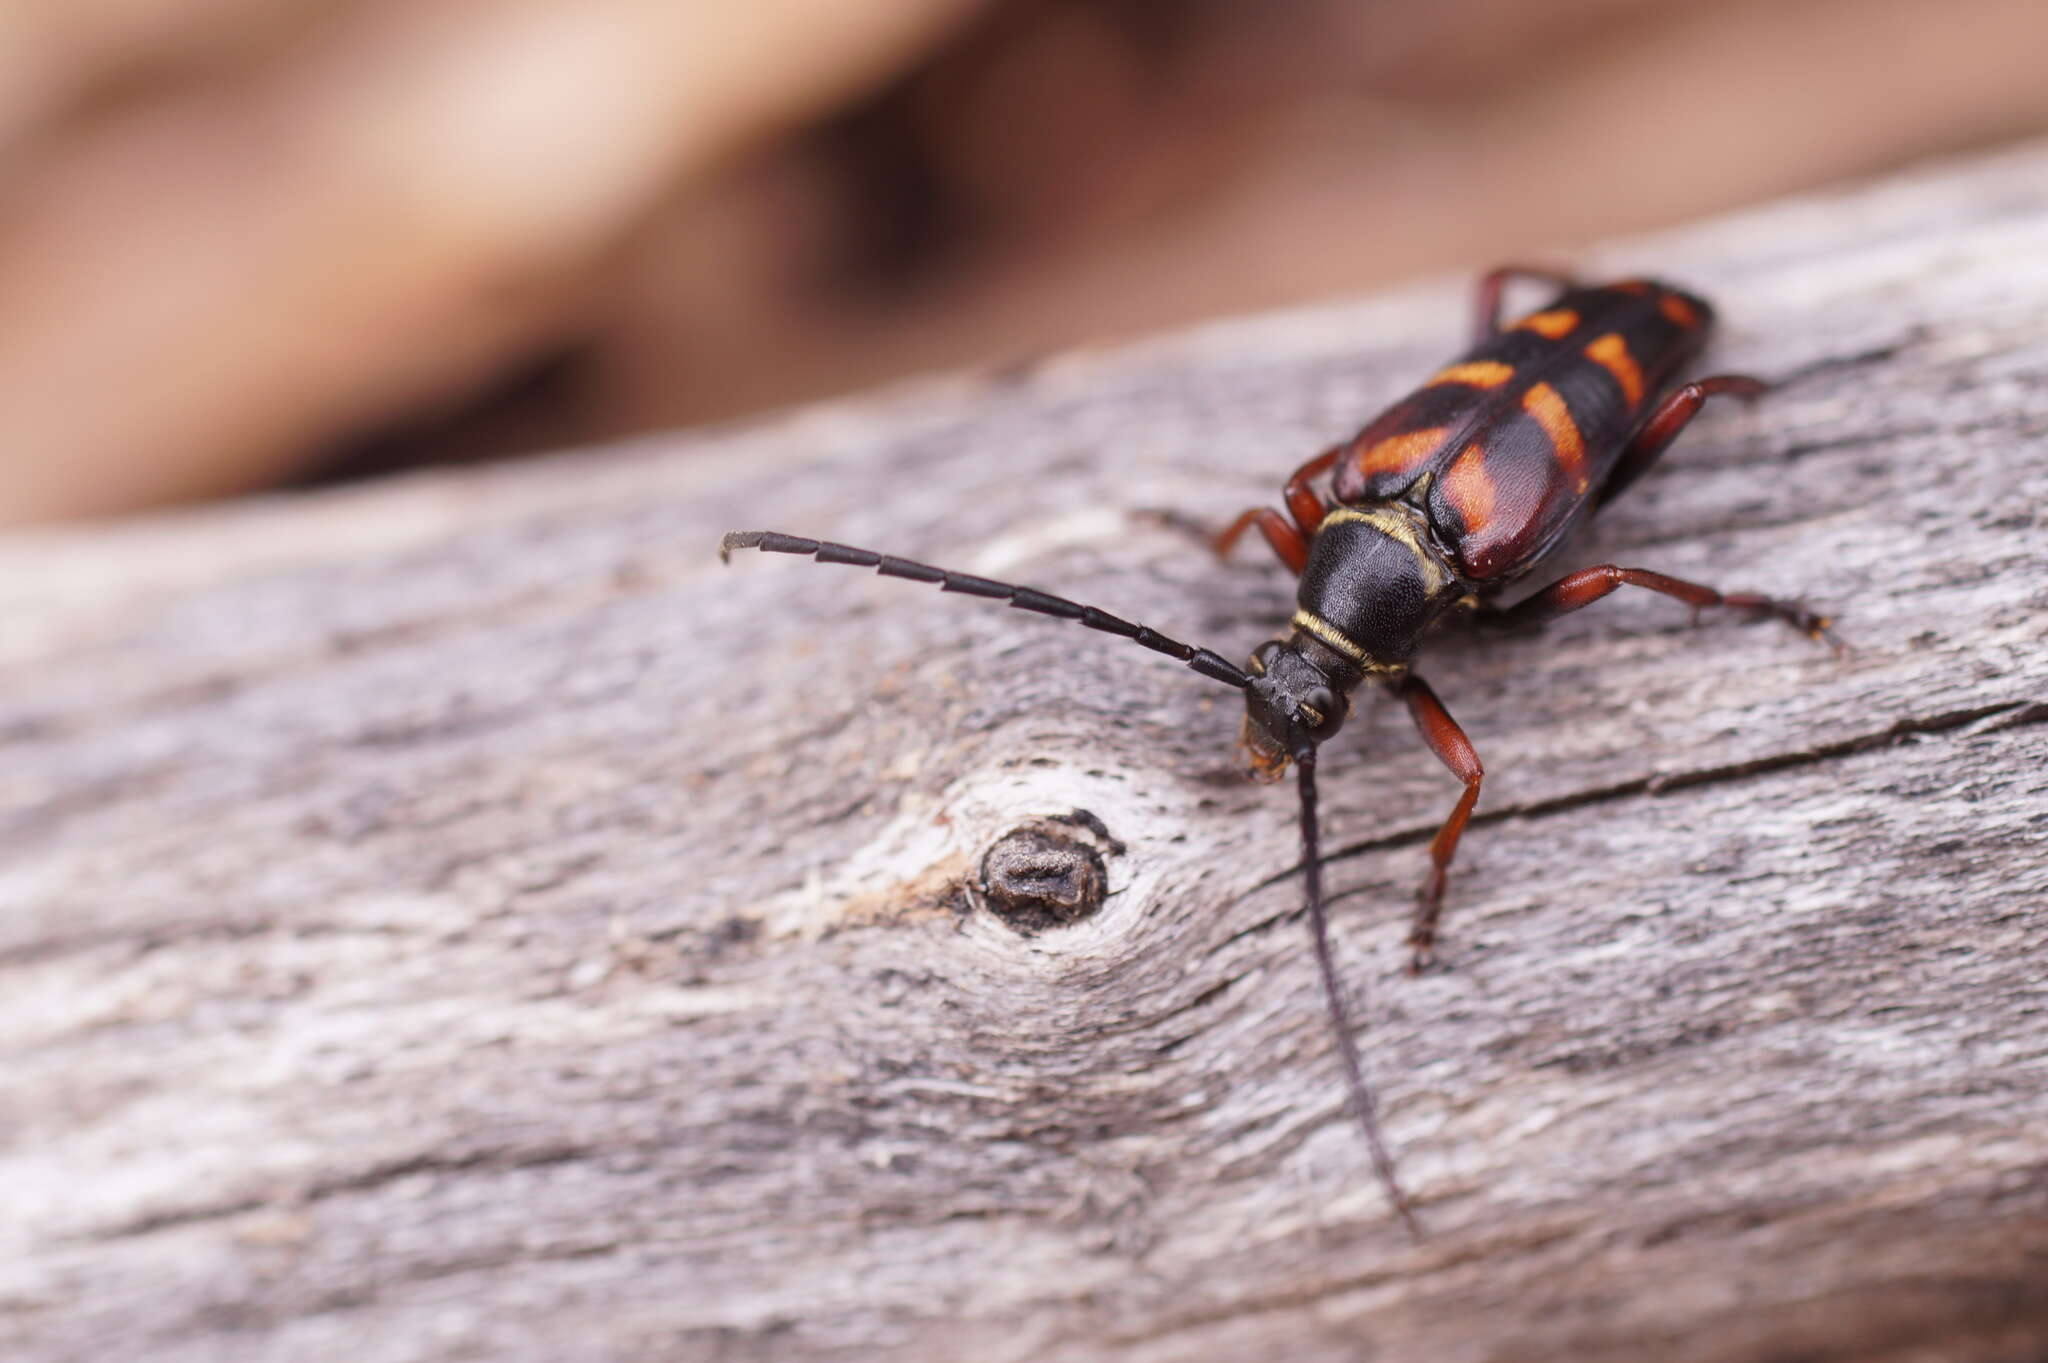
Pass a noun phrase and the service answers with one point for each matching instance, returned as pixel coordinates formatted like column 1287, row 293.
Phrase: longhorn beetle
column 1446, row 499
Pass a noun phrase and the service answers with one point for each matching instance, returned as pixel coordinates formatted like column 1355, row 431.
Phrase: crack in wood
column 2012, row 715
column 2009, row 714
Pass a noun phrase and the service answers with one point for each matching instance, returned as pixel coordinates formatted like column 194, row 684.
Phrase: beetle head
column 1291, row 706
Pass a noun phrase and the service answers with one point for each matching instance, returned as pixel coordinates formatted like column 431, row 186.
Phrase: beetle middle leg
column 1576, row 591
column 1290, row 542
column 1455, row 751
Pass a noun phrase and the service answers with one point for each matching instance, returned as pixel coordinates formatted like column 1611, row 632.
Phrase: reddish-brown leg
column 1662, row 426
column 1285, row 539
column 1577, row 590
column 1486, row 312
column 1455, row 751
column 1290, row 542
column 1302, row 502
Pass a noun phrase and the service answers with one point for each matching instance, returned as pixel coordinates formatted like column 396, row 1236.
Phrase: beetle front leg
column 1286, row 541
column 1290, row 542
column 1455, row 751
column 1576, row 591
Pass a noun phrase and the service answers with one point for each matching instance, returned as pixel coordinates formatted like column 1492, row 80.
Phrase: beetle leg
column 1664, row 424
column 1302, row 502
column 1455, row 751
column 1285, row 539
column 1486, row 311
column 1575, row 591
column 1290, row 542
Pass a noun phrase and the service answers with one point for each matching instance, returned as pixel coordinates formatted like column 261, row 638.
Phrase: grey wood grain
column 456, row 918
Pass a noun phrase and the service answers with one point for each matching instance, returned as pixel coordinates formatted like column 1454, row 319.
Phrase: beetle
column 1441, row 504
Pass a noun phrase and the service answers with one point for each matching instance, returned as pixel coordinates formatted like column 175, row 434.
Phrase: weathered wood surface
column 457, row 919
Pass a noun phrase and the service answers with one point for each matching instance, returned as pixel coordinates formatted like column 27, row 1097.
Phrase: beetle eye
column 1320, row 712
column 1263, row 655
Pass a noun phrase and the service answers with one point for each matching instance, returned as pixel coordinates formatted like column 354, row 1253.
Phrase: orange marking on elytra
column 1677, row 311
column 1543, row 403
column 1555, row 323
column 1398, row 452
column 1610, row 352
column 1478, row 373
column 1470, row 488
column 1631, row 286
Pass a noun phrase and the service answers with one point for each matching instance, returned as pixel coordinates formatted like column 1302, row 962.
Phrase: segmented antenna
column 1340, row 1017
column 1202, row 660
column 1209, row 664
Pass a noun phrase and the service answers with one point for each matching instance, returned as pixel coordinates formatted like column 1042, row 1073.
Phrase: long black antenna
column 1340, row 1017
column 1202, row 660
column 1209, row 664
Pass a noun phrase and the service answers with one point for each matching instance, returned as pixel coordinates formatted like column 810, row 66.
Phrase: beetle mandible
column 1448, row 498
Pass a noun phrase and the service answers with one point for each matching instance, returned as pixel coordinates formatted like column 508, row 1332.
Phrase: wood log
column 456, row 918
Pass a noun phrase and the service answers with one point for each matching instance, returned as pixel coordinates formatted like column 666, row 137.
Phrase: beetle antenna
column 1202, row 660
column 1362, row 1102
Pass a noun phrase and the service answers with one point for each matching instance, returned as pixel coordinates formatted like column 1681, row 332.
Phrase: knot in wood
column 1047, row 873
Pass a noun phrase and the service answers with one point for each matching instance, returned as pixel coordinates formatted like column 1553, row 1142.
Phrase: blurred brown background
column 251, row 241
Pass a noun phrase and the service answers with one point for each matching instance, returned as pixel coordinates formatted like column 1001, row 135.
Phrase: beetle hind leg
column 1486, row 299
column 1662, row 426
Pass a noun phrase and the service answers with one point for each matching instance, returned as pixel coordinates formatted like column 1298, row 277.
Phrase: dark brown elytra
column 1440, row 504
